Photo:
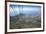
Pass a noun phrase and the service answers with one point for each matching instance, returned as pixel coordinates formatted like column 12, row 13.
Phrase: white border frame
column 26, row 29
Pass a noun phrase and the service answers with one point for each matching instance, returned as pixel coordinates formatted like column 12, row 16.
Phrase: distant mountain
column 34, row 13
column 23, row 17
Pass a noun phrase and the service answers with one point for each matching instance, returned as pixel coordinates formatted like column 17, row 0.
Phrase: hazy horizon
column 24, row 9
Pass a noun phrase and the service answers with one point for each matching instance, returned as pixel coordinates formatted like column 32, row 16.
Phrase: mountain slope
column 25, row 21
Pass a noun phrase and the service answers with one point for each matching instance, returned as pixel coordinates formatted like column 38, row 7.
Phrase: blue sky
column 25, row 9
